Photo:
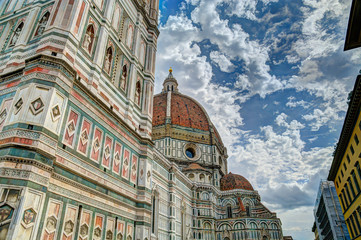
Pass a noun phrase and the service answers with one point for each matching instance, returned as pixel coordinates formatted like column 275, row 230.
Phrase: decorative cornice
column 27, row 161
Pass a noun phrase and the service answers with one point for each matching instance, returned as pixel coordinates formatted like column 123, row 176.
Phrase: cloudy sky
column 274, row 79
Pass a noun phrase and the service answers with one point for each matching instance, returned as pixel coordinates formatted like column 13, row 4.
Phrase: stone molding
column 24, row 175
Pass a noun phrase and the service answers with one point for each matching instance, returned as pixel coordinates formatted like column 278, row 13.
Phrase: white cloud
column 292, row 103
column 275, row 159
column 222, row 61
column 178, row 50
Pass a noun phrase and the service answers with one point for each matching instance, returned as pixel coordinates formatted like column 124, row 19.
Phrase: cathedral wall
column 207, row 155
column 75, row 150
column 109, row 44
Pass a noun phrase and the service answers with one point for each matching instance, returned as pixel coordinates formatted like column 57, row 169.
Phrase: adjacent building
column 345, row 170
column 86, row 152
column 329, row 221
column 315, row 231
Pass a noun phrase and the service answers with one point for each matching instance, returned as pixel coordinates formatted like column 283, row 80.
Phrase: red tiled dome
column 159, row 109
column 234, row 181
column 185, row 112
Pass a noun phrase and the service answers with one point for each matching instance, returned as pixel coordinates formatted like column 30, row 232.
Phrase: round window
column 190, row 152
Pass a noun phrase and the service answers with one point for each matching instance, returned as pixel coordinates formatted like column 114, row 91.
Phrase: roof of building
column 347, row 129
column 186, row 112
column 232, row 181
column 159, row 109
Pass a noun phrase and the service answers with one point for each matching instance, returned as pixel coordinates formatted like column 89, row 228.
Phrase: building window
column 248, row 211
column 344, row 165
column 341, row 173
column 342, row 202
column 352, row 150
column 229, row 211
column 357, row 222
column 356, row 139
column 351, row 187
column 348, row 193
column 354, row 230
column 350, row 228
column 356, row 181
column 344, row 197
column 155, row 212
column 348, row 158
column 353, row 35
column 358, row 169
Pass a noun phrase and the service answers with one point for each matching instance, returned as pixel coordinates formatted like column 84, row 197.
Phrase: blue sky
column 274, row 79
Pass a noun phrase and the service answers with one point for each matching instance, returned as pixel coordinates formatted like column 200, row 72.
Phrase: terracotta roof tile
column 186, row 112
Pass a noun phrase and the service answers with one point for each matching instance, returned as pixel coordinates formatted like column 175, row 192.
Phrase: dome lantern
column 170, row 83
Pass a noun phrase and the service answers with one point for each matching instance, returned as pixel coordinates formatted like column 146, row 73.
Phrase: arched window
column 42, row 24
column 89, row 38
column 137, row 93
column 191, row 176
column 108, row 60
column 205, row 196
column 207, row 231
column 264, row 226
column 16, row 35
column 201, row 177
column 220, row 161
column 123, row 79
column 229, row 211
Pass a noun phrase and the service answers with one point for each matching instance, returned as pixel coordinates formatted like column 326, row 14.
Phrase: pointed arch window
column 16, row 35
column 108, row 60
column 89, row 38
column 42, row 24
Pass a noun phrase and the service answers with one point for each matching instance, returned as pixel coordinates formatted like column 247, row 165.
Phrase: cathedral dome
column 182, row 113
column 232, row 181
column 183, row 132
